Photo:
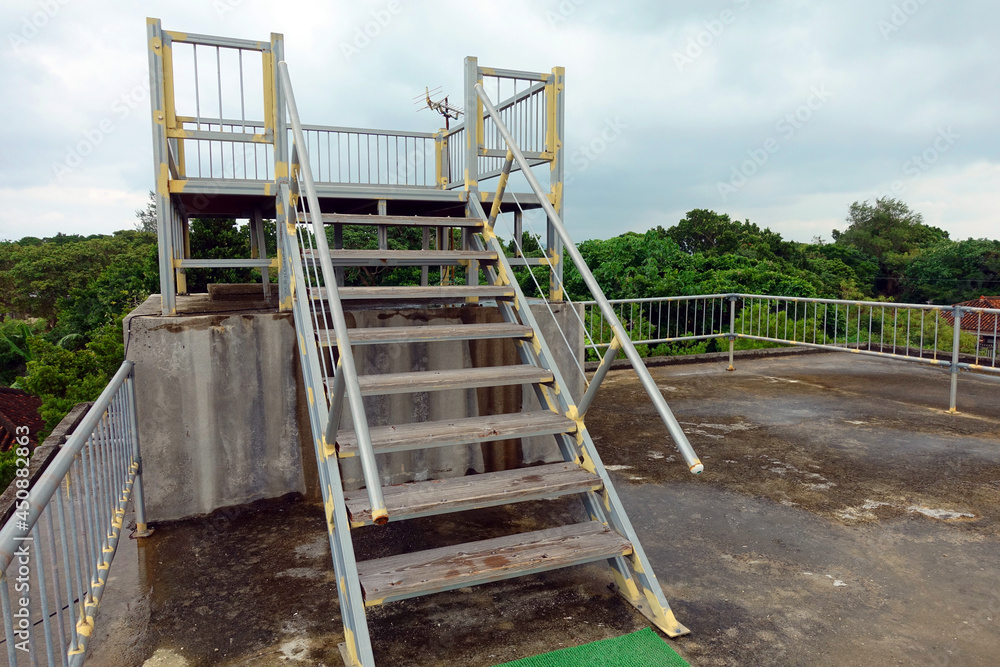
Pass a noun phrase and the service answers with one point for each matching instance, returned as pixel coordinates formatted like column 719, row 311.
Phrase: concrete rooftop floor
column 844, row 518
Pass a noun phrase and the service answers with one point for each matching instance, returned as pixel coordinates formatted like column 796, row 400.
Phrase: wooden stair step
column 456, row 378
column 417, row 292
column 447, row 568
column 353, row 257
column 427, row 334
column 467, row 430
column 400, row 220
column 457, row 494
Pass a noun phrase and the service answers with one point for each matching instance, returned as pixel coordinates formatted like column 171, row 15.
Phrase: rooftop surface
column 844, row 518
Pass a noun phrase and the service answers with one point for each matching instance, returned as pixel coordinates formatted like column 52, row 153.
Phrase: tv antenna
column 439, row 105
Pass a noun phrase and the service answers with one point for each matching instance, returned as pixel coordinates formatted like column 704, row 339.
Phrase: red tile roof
column 18, row 408
column 983, row 323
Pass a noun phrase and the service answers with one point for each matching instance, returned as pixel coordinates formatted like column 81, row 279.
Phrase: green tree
column 146, row 217
column 953, row 271
column 63, row 378
column 714, row 233
column 888, row 231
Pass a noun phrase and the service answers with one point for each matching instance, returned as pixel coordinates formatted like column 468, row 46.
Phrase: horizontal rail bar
column 364, row 130
column 225, row 263
column 212, row 40
column 213, row 135
column 545, row 77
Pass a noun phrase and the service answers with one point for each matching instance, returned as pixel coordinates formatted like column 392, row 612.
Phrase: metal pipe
column 501, row 187
column 957, row 332
column 337, row 407
column 732, row 330
column 599, row 375
column 138, row 495
column 369, row 466
column 680, row 439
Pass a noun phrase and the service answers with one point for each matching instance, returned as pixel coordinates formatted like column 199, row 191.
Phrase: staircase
column 326, row 343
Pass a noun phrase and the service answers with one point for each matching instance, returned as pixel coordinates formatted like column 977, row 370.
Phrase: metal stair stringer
column 357, row 649
column 641, row 590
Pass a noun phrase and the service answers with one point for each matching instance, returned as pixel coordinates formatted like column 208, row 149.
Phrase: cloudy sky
column 783, row 112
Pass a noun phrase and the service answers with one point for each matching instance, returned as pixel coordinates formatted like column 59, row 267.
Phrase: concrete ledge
column 707, row 357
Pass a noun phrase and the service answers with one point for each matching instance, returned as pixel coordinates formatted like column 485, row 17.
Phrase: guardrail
column 620, row 335
column 56, row 549
column 922, row 333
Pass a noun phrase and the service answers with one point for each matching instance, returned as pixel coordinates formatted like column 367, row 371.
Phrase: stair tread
column 376, row 257
column 417, row 292
column 446, row 568
column 457, row 431
column 455, row 378
column 455, row 494
column 421, row 220
column 429, row 333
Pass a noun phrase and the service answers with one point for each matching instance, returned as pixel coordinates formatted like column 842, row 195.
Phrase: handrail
column 50, row 479
column 347, row 367
column 78, row 502
column 676, row 432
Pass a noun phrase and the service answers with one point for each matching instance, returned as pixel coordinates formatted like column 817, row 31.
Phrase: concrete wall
column 222, row 420
column 217, row 402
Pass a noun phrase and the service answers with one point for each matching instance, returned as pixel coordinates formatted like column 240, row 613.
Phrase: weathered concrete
column 797, row 546
column 217, row 401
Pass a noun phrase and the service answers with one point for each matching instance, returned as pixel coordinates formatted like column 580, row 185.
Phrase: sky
column 782, row 112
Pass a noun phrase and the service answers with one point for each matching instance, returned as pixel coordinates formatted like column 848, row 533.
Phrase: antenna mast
column 439, row 105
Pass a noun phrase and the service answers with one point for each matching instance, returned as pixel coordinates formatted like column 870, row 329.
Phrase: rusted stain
column 496, row 561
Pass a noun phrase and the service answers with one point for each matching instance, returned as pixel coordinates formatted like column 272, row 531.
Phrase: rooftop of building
column 843, row 518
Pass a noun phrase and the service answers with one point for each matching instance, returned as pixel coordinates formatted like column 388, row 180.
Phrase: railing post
column 442, row 170
column 142, row 529
column 165, row 222
column 956, row 334
column 473, row 123
column 556, row 119
column 732, row 330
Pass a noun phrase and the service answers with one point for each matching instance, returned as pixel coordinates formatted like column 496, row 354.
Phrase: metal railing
column 56, row 549
column 621, row 337
column 922, row 333
column 528, row 111
column 359, row 156
column 321, row 287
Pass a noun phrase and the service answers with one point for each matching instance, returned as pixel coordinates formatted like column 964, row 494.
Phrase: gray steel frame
column 82, row 495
